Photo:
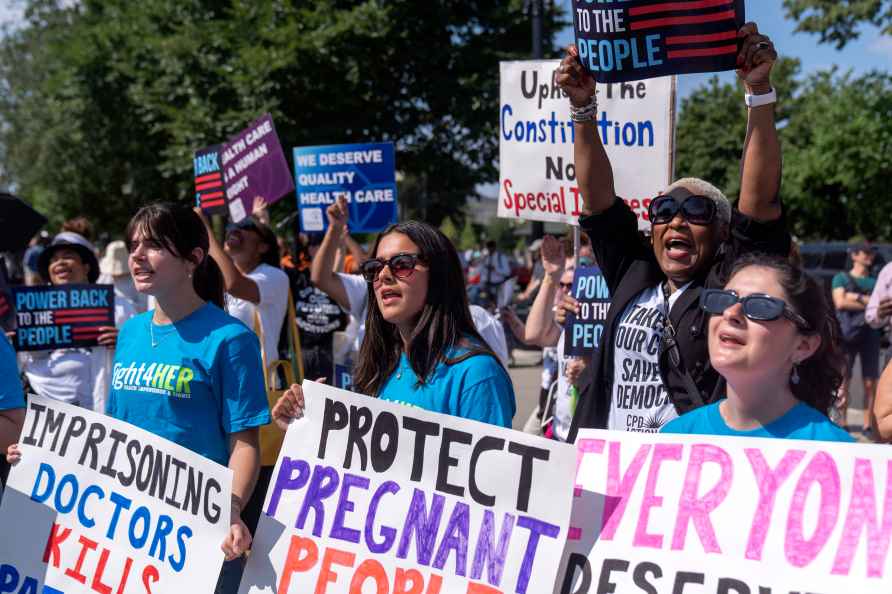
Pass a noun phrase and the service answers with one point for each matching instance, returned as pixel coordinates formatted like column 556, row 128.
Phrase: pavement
column 526, row 373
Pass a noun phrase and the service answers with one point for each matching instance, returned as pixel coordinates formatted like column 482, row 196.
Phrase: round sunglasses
column 756, row 307
column 402, row 266
column 697, row 210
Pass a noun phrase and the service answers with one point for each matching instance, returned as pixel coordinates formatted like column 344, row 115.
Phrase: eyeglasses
column 566, row 286
column 401, row 266
column 697, row 210
column 757, row 307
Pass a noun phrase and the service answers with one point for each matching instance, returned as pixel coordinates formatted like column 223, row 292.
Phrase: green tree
column 102, row 102
column 838, row 21
column 468, row 239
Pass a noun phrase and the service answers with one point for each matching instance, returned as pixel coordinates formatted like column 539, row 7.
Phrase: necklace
column 166, row 333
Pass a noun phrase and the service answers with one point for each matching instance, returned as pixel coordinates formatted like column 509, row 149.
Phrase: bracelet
column 760, row 100
column 587, row 112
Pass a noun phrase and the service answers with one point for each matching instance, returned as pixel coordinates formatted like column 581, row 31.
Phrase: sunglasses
column 697, row 210
column 401, row 266
column 756, row 307
column 566, row 286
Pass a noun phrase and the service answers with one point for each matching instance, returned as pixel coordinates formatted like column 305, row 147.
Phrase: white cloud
column 882, row 46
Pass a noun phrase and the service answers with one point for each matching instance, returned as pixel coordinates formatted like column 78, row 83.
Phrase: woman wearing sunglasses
column 653, row 362
column 421, row 347
column 773, row 337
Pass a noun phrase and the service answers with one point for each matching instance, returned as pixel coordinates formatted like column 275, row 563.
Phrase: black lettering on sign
column 386, row 426
column 446, row 461
column 580, row 562
column 360, row 424
column 422, row 430
column 605, row 582
column 484, row 444
column 38, row 410
column 527, row 454
column 333, row 417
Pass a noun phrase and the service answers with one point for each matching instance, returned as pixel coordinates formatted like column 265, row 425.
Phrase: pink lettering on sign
column 619, row 490
column 692, row 508
column 862, row 517
column 821, row 471
column 583, row 447
column 662, row 453
column 768, row 481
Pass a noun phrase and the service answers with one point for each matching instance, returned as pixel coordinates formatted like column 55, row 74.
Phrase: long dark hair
column 445, row 320
column 179, row 230
column 821, row 374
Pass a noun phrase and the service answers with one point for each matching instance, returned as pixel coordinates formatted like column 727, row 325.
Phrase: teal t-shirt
column 476, row 388
column 864, row 283
column 193, row 382
column 11, row 394
column 800, row 422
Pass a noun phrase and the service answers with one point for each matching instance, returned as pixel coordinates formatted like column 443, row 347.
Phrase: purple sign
column 254, row 166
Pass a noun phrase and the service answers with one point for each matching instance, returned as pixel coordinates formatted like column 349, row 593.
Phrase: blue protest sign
column 583, row 332
column 64, row 316
column 623, row 40
column 363, row 173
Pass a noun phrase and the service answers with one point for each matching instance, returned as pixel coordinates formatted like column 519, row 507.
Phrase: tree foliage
column 836, row 131
column 102, row 102
column 838, row 21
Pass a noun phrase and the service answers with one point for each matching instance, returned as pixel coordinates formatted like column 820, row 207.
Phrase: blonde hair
column 704, row 188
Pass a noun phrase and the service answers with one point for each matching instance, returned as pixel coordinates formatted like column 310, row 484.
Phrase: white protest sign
column 537, row 176
column 97, row 505
column 375, row 497
column 698, row 514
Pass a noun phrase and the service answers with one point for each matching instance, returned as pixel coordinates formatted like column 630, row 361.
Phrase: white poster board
column 370, row 496
column 98, row 506
column 696, row 514
column 537, row 175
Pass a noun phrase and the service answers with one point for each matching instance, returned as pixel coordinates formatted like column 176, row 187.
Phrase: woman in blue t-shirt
column 774, row 339
column 421, row 347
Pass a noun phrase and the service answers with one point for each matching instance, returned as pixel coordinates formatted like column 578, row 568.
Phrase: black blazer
column 629, row 267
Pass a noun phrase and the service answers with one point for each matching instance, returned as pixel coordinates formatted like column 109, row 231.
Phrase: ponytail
column 208, row 282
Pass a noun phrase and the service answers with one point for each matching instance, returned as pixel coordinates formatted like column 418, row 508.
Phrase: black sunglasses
column 697, row 210
column 401, row 266
column 757, row 307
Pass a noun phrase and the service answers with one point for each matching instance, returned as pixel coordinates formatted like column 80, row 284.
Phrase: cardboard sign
column 372, row 496
column 537, row 175
column 99, row 506
column 363, row 173
column 728, row 515
column 583, row 332
column 63, row 316
column 210, row 192
column 623, row 40
column 254, row 166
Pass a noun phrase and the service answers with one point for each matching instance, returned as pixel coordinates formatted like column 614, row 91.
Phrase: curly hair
column 822, row 373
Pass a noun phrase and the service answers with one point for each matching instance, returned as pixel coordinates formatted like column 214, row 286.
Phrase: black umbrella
column 18, row 223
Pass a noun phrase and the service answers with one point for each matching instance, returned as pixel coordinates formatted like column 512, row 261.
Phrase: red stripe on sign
column 81, row 312
column 208, row 186
column 703, row 52
column 685, row 39
column 673, row 6
column 210, row 195
column 207, row 178
column 212, row 203
column 86, row 332
column 685, row 20
column 78, row 319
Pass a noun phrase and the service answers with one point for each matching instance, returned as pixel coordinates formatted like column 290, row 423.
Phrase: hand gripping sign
column 537, row 174
column 703, row 514
column 371, row 496
column 97, row 506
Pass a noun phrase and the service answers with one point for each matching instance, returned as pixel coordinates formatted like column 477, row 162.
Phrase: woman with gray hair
column 653, row 364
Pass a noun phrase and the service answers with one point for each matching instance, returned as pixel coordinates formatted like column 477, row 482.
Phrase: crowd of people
column 713, row 327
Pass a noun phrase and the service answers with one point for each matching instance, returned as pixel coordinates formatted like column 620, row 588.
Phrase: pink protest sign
column 728, row 515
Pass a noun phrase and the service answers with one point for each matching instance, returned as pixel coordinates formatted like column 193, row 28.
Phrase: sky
column 870, row 51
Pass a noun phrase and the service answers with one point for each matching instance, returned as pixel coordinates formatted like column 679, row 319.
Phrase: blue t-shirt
column 201, row 381
column 11, row 394
column 476, row 388
column 800, row 422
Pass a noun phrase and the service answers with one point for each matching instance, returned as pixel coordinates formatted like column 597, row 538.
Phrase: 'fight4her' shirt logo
column 154, row 378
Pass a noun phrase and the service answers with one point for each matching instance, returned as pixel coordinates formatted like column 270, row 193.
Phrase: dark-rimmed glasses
column 756, row 307
column 697, row 210
column 402, row 266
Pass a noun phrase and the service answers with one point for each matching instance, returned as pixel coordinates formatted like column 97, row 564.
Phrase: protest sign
column 254, row 166
column 210, row 192
column 623, row 40
column 97, row 505
column 373, row 496
column 61, row 316
column 537, row 175
column 363, row 173
column 728, row 515
column 583, row 331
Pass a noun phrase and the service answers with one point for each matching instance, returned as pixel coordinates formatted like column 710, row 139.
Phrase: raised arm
column 237, row 284
column 322, row 271
column 540, row 328
column 593, row 171
column 760, row 166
